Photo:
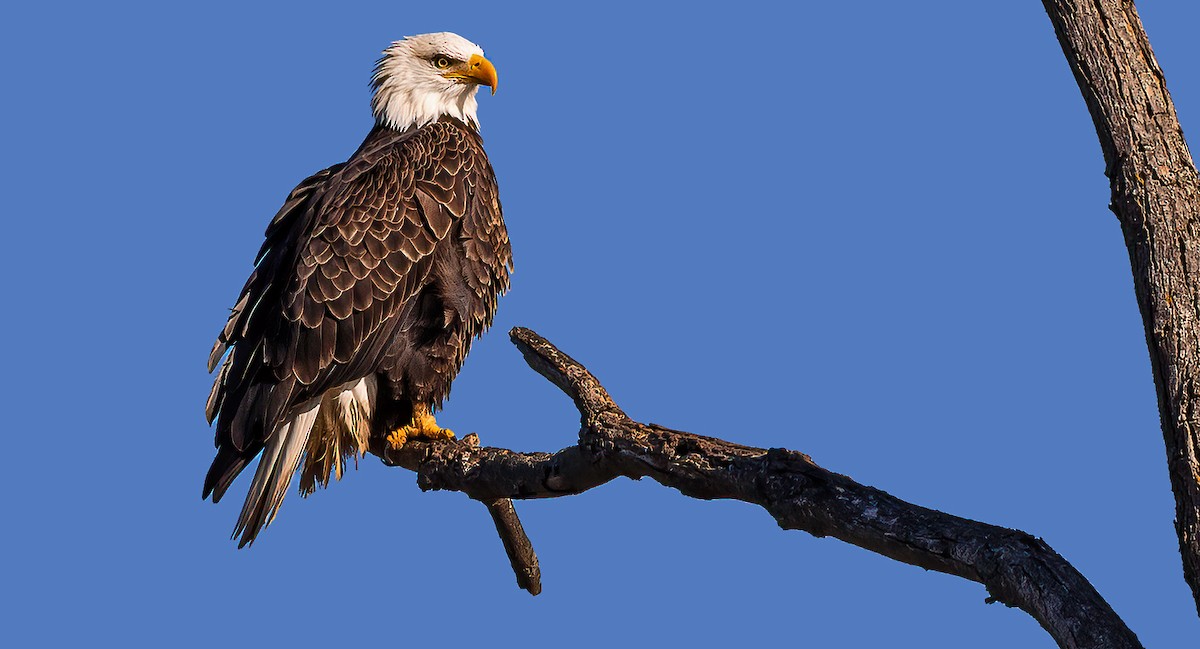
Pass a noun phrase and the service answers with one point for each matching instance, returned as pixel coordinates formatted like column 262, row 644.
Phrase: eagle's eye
column 441, row 62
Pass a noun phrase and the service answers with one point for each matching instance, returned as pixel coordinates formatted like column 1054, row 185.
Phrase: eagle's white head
column 422, row 78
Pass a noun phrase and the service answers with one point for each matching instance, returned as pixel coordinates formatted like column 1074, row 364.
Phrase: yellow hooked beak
column 478, row 70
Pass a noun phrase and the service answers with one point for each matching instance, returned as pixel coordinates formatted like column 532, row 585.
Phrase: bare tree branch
column 1016, row 568
column 1156, row 196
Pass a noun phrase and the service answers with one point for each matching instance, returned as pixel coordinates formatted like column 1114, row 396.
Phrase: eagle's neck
column 403, row 104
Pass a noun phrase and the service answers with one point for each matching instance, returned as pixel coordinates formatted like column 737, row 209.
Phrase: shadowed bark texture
column 1016, row 568
column 1156, row 197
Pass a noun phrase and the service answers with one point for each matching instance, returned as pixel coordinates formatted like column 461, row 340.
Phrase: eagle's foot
column 423, row 426
column 397, row 438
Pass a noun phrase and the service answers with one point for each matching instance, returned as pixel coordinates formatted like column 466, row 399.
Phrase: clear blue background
column 874, row 232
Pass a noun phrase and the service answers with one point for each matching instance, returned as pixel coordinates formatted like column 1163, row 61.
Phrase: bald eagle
column 375, row 277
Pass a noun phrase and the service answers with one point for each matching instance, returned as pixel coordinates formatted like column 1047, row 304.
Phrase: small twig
column 1016, row 568
column 516, row 544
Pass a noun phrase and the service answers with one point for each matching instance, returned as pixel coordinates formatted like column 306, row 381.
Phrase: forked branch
column 1017, row 569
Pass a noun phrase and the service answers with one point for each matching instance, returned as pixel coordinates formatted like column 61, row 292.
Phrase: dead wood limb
column 1156, row 197
column 1016, row 568
column 517, row 546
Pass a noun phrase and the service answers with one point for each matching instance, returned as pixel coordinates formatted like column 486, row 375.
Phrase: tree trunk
column 1156, row 196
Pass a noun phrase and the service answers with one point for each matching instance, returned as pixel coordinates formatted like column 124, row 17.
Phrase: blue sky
column 872, row 232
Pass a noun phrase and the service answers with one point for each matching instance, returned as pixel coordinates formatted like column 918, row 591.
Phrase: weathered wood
column 1156, row 197
column 1016, row 568
column 516, row 544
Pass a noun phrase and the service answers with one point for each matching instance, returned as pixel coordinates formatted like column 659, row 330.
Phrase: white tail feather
column 279, row 460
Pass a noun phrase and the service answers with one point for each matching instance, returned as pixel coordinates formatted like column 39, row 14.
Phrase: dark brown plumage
column 384, row 268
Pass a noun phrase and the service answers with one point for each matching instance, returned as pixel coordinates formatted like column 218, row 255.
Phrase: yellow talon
column 398, row 437
column 423, row 426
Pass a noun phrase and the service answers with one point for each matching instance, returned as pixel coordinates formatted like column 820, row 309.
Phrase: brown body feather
column 383, row 268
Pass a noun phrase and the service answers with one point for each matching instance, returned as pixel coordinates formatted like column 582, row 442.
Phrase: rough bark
column 1016, row 568
column 516, row 544
column 1156, row 197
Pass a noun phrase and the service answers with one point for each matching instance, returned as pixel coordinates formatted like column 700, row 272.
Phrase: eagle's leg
column 422, row 426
